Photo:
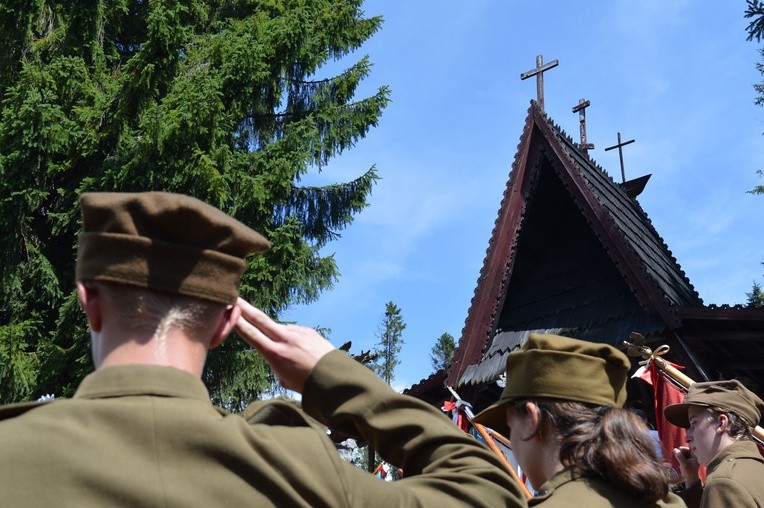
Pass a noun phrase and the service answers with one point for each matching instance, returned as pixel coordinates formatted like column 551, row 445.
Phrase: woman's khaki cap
column 162, row 241
column 729, row 396
column 557, row 367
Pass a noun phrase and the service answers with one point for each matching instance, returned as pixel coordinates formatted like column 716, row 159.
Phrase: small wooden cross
column 580, row 108
column 539, row 73
column 619, row 146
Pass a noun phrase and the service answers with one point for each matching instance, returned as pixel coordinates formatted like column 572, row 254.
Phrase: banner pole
column 489, row 441
column 637, row 348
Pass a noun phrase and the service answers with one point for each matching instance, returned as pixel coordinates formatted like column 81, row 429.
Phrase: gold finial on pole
column 637, row 348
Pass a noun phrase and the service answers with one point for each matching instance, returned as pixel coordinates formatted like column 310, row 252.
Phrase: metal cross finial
column 619, row 146
column 581, row 110
column 539, row 73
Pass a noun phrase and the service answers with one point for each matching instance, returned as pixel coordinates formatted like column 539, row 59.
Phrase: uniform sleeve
column 692, row 495
column 727, row 492
column 443, row 466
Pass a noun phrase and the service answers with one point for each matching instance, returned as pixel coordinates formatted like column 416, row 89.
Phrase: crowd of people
column 157, row 276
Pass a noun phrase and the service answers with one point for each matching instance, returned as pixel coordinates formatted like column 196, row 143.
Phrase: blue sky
column 676, row 76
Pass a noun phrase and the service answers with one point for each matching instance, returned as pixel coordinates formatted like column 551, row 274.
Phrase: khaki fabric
column 734, row 478
column 143, row 436
column 564, row 491
column 557, row 367
column 164, row 241
column 729, row 396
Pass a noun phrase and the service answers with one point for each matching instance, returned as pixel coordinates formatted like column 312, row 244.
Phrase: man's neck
column 173, row 349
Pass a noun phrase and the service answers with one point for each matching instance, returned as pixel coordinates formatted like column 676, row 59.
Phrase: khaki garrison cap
column 162, row 241
column 556, row 367
column 729, row 396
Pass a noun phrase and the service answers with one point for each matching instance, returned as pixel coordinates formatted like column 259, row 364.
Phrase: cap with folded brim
column 166, row 242
column 557, row 367
column 729, row 396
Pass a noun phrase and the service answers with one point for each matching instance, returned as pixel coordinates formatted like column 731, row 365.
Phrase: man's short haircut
column 147, row 311
column 739, row 429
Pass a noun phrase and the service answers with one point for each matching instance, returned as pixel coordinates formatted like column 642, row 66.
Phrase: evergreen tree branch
column 324, row 211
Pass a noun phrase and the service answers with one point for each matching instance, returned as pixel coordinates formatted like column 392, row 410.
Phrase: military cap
column 557, row 367
column 729, row 396
column 163, row 241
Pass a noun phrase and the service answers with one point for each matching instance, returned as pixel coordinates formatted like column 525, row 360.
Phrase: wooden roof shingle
column 571, row 250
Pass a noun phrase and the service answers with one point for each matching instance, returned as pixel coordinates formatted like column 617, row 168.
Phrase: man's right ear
column 90, row 299
column 226, row 325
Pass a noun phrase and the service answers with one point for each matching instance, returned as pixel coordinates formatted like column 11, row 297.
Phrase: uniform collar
column 740, row 449
column 555, row 482
column 127, row 380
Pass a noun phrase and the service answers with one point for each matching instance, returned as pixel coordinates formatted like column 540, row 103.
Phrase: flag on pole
column 457, row 415
column 669, row 387
column 664, row 393
column 461, row 414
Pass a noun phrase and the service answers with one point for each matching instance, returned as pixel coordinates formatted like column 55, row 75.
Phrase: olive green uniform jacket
column 565, row 491
column 143, row 435
column 735, row 477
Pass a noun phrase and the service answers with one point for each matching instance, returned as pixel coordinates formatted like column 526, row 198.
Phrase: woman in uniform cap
column 719, row 417
column 562, row 408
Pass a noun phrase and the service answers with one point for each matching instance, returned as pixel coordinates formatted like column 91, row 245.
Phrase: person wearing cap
column 562, row 409
column 719, row 417
column 157, row 277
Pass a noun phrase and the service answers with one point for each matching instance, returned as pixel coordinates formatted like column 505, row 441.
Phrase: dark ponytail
column 608, row 443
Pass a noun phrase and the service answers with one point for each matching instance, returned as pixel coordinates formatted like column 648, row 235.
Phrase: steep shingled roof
column 570, row 251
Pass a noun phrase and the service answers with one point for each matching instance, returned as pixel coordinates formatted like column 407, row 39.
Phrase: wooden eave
column 431, row 389
column 486, row 301
column 540, row 139
column 728, row 342
column 721, row 314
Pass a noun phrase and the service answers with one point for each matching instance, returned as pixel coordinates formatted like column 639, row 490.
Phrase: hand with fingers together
column 688, row 465
column 291, row 350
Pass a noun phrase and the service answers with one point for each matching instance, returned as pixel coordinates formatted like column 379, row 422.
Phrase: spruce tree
column 222, row 100
column 390, row 337
column 755, row 12
column 442, row 351
column 755, row 299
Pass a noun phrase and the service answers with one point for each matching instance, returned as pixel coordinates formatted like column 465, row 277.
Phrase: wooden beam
column 741, row 364
column 721, row 313
column 723, row 335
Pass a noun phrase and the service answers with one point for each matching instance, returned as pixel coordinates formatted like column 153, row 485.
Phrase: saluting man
column 719, row 417
column 157, row 277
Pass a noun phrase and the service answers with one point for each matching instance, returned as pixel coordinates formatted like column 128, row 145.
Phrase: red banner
column 665, row 393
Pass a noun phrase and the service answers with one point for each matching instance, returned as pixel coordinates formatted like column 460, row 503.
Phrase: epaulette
column 14, row 410
column 277, row 412
column 286, row 412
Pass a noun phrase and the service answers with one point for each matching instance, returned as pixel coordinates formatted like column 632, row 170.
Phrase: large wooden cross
column 539, row 73
column 580, row 108
column 620, row 146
